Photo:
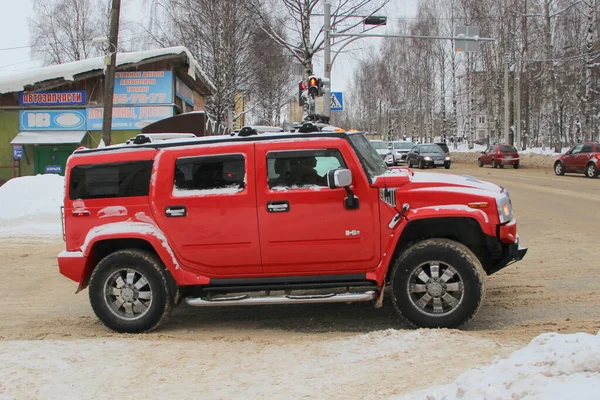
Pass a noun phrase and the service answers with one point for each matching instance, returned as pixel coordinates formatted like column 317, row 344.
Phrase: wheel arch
column 461, row 229
column 103, row 247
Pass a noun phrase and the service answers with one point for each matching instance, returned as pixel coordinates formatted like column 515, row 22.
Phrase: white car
column 384, row 151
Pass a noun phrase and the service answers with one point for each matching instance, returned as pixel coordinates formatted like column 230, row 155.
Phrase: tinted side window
column 587, row 148
column 124, row 179
column 300, row 169
column 222, row 174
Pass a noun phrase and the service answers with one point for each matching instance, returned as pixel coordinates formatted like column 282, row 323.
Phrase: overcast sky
column 14, row 38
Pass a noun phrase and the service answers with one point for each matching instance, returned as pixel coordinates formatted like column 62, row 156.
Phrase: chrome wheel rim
column 127, row 294
column 558, row 169
column 435, row 288
column 591, row 170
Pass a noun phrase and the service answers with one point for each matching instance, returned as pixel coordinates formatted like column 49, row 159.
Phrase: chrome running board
column 245, row 300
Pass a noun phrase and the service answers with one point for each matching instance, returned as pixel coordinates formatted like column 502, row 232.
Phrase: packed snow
column 31, row 206
column 553, row 366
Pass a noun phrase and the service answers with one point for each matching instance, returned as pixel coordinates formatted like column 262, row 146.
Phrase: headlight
column 505, row 211
column 447, row 159
column 427, row 158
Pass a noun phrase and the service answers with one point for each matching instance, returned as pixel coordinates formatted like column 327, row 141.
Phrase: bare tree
column 62, row 30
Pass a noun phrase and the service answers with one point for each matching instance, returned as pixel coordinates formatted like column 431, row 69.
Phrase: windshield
column 371, row 161
column 379, row 145
column 507, row 149
column 403, row 145
column 431, row 148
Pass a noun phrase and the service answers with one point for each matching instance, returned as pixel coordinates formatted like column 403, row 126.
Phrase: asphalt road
column 555, row 288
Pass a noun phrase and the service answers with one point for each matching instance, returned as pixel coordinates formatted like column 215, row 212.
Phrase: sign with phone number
column 143, row 87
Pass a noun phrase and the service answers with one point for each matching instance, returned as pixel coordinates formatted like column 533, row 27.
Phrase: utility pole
column 327, row 56
column 517, row 143
column 109, row 76
column 506, row 102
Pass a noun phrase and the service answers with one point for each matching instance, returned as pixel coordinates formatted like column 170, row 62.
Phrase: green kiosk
column 49, row 150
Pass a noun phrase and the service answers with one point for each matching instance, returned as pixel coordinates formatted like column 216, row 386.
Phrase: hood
column 448, row 182
column 398, row 177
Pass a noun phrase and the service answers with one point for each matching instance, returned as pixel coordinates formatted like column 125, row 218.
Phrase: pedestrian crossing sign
column 337, row 101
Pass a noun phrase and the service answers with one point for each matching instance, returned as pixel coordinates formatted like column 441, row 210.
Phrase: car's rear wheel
column 501, row 165
column 129, row 291
column 494, row 165
column 559, row 168
column 591, row 171
column 516, row 166
column 437, row 283
column 479, row 163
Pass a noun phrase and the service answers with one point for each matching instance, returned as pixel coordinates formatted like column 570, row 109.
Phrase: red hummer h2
column 277, row 219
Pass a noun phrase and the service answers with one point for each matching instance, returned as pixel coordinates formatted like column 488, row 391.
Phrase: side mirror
column 338, row 178
column 569, row 152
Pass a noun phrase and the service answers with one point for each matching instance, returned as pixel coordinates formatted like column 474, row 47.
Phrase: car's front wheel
column 559, row 168
column 591, row 171
column 129, row 291
column 422, row 164
column 437, row 283
column 479, row 163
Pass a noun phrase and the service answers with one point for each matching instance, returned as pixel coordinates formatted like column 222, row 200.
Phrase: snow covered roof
column 49, row 137
column 68, row 71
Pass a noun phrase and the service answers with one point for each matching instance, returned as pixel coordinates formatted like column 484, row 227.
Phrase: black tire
column 447, row 166
column 494, row 165
column 559, row 168
column 516, row 166
column 501, row 165
column 422, row 256
column 422, row 164
column 479, row 163
column 591, row 171
column 104, row 281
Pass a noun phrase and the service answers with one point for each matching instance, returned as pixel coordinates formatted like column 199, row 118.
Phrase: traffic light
column 301, row 88
column 313, row 86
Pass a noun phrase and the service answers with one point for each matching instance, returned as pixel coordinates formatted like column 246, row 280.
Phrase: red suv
column 499, row 155
column 584, row 157
column 277, row 219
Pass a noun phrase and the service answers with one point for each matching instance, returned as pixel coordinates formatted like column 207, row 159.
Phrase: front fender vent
column 388, row 196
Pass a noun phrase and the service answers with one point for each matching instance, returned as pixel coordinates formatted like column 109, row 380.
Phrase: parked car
column 584, row 157
column 382, row 148
column 257, row 220
column 427, row 155
column 399, row 150
column 499, row 155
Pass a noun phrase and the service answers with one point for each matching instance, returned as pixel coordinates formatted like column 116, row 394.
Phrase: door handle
column 175, row 211
column 278, row 206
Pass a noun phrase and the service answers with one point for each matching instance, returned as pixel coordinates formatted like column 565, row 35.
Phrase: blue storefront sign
column 17, row 151
column 52, row 120
column 184, row 92
column 62, row 98
column 53, row 169
column 143, row 87
column 126, row 118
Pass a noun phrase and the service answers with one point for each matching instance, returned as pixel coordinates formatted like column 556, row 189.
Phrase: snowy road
column 290, row 351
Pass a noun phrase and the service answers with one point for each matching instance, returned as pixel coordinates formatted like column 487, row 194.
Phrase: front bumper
column 510, row 254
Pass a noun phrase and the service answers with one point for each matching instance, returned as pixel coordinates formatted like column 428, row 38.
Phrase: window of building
column 482, row 119
column 301, row 169
column 221, row 174
column 124, row 179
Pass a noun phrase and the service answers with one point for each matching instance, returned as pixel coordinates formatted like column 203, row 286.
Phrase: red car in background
column 499, row 155
column 584, row 157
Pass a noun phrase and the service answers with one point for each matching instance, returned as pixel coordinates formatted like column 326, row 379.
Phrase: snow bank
column 552, row 366
column 30, row 206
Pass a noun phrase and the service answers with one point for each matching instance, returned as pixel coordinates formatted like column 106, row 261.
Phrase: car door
column 205, row 203
column 485, row 157
column 570, row 159
column 304, row 225
column 583, row 156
